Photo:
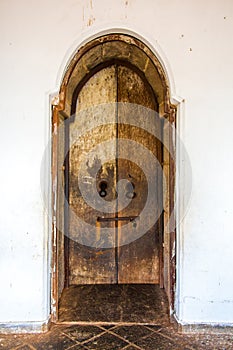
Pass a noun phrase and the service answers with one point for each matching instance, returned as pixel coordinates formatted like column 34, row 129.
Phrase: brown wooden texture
column 137, row 262
column 88, row 264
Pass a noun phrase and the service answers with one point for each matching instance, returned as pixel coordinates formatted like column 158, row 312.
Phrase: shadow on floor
column 124, row 303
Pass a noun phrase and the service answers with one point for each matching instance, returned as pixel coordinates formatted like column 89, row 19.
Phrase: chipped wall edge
column 25, row 327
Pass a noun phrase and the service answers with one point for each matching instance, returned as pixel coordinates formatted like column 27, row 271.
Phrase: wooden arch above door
column 105, row 51
column 115, row 47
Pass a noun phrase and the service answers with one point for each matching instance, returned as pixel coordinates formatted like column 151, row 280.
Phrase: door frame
column 95, row 52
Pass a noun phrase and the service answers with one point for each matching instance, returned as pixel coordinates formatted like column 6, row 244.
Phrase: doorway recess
column 111, row 207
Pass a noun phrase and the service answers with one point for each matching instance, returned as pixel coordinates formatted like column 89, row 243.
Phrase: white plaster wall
column 194, row 38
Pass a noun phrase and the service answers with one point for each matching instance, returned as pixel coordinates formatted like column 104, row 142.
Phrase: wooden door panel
column 88, row 262
column 138, row 262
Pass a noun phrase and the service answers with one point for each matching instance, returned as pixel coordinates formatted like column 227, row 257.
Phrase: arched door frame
column 101, row 51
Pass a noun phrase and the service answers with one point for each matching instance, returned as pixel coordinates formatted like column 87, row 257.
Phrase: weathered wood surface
column 87, row 264
column 137, row 262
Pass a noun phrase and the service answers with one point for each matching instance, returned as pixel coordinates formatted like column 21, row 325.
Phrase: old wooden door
column 102, row 150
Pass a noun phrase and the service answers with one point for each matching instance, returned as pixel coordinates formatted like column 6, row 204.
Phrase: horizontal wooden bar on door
column 120, row 218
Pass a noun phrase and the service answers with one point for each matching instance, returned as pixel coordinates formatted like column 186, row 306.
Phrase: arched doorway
column 113, row 95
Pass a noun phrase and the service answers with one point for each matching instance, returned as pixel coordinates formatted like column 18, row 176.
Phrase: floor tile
column 53, row 341
column 205, row 341
column 157, row 342
column 154, row 328
column 106, row 342
column 108, row 326
column 132, row 333
column 13, row 340
column 77, row 347
column 171, row 334
column 82, row 333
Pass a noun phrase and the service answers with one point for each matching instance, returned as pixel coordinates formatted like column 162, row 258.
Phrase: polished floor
column 139, row 320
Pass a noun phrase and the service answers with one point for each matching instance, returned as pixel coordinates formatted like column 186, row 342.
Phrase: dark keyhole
column 103, row 186
column 130, row 191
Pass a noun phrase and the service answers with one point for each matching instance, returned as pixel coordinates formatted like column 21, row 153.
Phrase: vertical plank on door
column 90, row 263
column 139, row 260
